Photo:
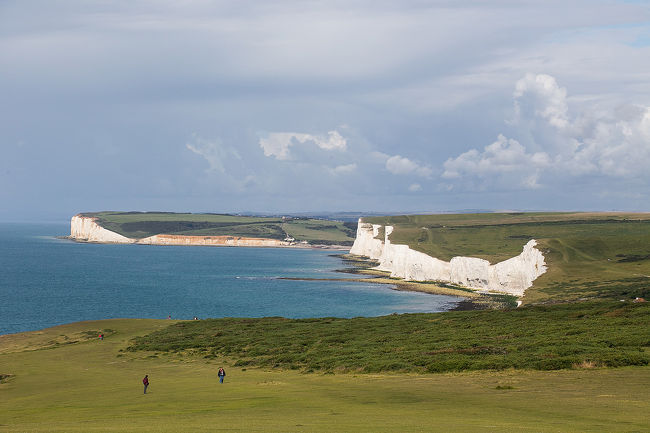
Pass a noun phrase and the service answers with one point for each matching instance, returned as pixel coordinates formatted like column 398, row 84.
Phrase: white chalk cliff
column 229, row 241
column 86, row 229
column 512, row 276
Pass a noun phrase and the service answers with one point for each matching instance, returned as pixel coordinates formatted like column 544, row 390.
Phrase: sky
column 315, row 106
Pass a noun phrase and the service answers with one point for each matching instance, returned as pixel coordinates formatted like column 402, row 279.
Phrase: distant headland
column 166, row 228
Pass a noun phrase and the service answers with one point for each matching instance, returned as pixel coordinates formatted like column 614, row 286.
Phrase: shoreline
column 400, row 285
column 471, row 300
column 333, row 247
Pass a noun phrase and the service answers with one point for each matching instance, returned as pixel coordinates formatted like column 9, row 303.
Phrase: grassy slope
column 589, row 255
column 88, row 387
column 141, row 225
column 321, row 230
column 546, row 338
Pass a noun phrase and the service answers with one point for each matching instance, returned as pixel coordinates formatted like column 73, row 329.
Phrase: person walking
column 221, row 374
column 145, row 382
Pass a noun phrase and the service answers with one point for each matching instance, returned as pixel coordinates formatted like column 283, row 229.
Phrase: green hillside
column 144, row 224
column 538, row 337
column 66, row 380
column 589, row 255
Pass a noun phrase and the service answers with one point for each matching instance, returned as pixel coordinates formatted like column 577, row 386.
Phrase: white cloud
column 377, row 156
column 342, row 169
column 541, row 94
column 618, row 147
column 334, row 141
column 277, row 144
column 213, row 151
column 504, row 156
column 227, row 170
column 400, row 165
column 613, row 143
column 415, row 187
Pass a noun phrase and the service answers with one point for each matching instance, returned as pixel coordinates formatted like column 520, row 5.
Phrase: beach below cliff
column 470, row 299
column 333, row 247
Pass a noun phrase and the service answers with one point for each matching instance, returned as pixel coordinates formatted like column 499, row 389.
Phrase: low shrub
column 610, row 334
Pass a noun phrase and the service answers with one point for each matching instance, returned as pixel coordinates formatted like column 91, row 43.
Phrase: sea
column 47, row 281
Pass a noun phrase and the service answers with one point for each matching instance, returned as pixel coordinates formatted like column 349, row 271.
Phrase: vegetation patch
column 5, row 377
column 622, row 258
column 611, row 334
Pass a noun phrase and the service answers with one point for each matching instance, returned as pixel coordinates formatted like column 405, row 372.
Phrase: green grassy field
column 144, row 224
column 589, row 255
column 545, row 338
column 63, row 380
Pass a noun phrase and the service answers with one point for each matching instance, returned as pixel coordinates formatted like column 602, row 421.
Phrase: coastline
column 331, row 250
column 333, row 247
column 471, row 300
column 116, row 282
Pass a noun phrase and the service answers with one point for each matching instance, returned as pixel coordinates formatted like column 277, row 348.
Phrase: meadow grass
column 90, row 386
column 321, row 230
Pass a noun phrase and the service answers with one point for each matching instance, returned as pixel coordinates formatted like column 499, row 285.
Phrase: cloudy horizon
column 287, row 107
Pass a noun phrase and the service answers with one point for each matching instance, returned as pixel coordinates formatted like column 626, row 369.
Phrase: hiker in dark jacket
column 221, row 374
column 145, row 382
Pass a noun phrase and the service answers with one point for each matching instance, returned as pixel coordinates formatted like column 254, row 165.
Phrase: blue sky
column 294, row 106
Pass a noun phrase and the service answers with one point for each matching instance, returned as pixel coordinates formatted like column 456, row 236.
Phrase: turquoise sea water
column 45, row 281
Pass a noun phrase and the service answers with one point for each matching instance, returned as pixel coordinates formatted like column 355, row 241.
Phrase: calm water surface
column 45, row 281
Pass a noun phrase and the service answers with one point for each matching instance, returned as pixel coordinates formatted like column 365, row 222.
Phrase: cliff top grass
column 588, row 255
column 139, row 225
column 499, row 236
column 94, row 386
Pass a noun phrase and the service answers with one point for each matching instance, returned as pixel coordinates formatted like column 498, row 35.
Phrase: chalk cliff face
column 231, row 241
column 85, row 229
column 511, row 276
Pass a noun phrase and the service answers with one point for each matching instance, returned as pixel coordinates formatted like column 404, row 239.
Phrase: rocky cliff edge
column 512, row 276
